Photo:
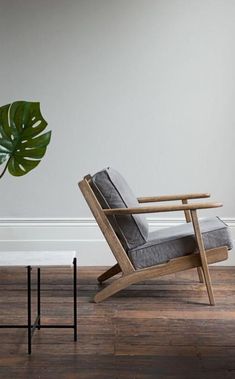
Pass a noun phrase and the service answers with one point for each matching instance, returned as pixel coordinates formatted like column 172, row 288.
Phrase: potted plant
column 22, row 144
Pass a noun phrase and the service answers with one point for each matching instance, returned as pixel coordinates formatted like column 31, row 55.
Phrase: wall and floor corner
column 144, row 86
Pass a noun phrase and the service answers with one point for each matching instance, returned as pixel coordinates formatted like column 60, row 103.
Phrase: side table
column 39, row 259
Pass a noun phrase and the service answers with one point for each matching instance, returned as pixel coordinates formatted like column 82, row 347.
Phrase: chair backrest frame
column 105, row 226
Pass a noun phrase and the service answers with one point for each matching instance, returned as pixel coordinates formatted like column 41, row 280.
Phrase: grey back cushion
column 113, row 191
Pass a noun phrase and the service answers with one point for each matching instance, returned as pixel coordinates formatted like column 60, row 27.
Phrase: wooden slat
column 203, row 256
column 106, row 228
column 153, row 199
column 189, row 219
column 155, row 209
column 109, row 273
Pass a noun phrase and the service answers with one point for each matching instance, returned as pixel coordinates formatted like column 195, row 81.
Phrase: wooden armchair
column 141, row 255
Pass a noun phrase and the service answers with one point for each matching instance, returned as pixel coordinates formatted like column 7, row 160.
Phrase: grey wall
column 145, row 86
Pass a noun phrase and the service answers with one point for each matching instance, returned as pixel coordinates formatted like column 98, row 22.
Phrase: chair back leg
column 109, row 273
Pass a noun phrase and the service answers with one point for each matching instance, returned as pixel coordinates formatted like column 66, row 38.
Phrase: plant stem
column 5, row 168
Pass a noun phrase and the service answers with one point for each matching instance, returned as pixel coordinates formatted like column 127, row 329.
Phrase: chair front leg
column 188, row 218
column 201, row 249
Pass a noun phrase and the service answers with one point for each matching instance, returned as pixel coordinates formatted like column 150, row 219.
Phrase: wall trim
column 90, row 221
column 80, row 234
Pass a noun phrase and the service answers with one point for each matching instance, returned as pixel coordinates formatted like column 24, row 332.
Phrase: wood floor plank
column 160, row 329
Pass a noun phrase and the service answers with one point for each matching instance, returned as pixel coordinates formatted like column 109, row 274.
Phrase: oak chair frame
column 130, row 274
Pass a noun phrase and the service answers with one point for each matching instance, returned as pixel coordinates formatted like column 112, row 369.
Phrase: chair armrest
column 152, row 199
column 156, row 209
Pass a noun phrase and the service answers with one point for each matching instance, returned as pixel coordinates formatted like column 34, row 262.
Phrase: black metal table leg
column 38, row 297
column 75, row 297
column 31, row 327
column 29, row 307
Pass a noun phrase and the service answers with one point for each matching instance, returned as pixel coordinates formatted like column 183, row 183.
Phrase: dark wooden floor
column 161, row 329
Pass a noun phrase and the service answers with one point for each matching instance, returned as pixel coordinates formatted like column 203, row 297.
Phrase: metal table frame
column 37, row 323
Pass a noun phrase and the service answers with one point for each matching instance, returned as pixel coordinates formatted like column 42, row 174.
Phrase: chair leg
column 112, row 288
column 203, row 256
column 189, row 219
column 109, row 273
column 200, row 275
column 171, row 267
column 208, row 285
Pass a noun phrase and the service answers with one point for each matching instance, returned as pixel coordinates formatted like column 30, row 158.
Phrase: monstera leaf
column 22, row 145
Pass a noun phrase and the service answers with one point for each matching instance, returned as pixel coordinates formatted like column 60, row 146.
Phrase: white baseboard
column 80, row 234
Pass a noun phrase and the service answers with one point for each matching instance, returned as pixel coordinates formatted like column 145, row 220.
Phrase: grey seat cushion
column 165, row 244
column 113, row 191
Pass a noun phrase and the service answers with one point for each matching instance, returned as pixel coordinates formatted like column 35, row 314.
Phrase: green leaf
column 19, row 167
column 32, row 153
column 21, row 141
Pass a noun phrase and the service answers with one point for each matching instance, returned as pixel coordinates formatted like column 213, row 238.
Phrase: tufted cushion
column 113, row 191
column 177, row 241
